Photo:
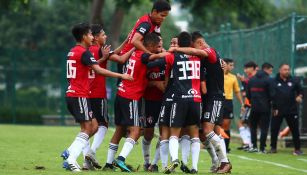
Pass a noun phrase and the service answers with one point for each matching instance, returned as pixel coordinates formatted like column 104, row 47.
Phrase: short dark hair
column 151, row 39
column 196, row 35
column 161, row 6
column 266, row 65
column 79, row 30
column 282, row 64
column 184, row 39
column 250, row 64
column 96, row 29
column 228, row 60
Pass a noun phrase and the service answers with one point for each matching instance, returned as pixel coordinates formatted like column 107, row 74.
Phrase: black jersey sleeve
column 157, row 63
column 88, row 59
column 145, row 58
column 143, row 28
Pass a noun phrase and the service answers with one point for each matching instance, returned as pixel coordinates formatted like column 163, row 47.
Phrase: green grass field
column 25, row 147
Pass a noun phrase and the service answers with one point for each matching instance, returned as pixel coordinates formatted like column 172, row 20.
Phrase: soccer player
column 213, row 100
column 79, row 63
column 184, row 89
column 153, row 99
column 231, row 86
column 250, row 69
column 146, row 24
column 128, row 100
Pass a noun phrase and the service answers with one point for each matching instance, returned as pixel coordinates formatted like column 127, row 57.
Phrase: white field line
column 271, row 163
column 304, row 160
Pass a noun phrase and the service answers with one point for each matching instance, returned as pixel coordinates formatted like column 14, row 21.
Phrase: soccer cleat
column 90, row 156
column 184, row 168
column 121, row 164
column 153, row 168
column 214, row 168
column 109, row 167
column 298, row 152
column 169, row 169
column 65, row 154
column 65, row 165
column 193, row 171
column 146, row 166
column 273, row 151
column 87, row 165
column 73, row 166
column 224, row 168
column 253, row 150
column 263, row 152
column 243, row 147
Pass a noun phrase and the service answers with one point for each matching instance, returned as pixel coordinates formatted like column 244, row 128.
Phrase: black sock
column 227, row 141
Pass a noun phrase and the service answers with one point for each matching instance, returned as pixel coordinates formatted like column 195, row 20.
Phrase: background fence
column 30, row 92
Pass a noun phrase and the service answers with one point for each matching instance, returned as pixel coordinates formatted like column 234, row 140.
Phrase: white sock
column 164, row 150
column 248, row 136
column 146, row 150
column 195, row 150
column 244, row 134
column 211, row 151
column 77, row 146
column 216, row 142
column 157, row 154
column 173, row 147
column 111, row 152
column 223, row 146
column 86, row 149
column 98, row 138
column 185, row 144
column 128, row 145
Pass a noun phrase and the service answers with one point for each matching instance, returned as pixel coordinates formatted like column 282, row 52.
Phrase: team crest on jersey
column 157, row 29
column 70, row 54
column 289, row 84
column 207, row 114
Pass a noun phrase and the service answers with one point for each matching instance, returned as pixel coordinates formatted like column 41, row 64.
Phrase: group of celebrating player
column 181, row 89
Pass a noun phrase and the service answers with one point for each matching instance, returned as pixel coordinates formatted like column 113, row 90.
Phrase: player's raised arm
column 121, row 58
column 108, row 73
column 190, row 51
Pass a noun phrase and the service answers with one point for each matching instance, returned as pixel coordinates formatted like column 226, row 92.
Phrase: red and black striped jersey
column 98, row 82
column 136, row 67
column 78, row 64
column 184, row 82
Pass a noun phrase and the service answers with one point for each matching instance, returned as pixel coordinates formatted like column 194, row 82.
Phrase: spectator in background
column 285, row 105
column 260, row 92
column 231, row 86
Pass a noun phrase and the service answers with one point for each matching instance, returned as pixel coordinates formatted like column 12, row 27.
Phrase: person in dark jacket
column 260, row 92
column 285, row 105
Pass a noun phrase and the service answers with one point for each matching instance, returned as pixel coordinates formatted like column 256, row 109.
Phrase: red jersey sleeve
column 211, row 55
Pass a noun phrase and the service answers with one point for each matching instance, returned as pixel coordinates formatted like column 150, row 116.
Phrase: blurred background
column 36, row 36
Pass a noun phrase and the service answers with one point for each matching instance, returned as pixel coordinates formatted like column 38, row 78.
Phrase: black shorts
column 100, row 110
column 245, row 116
column 185, row 113
column 212, row 111
column 127, row 111
column 165, row 113
column 152, row 110
column 80, row 108
column 228, row 109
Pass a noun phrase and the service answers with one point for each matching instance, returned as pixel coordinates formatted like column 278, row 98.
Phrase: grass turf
column 23, row 148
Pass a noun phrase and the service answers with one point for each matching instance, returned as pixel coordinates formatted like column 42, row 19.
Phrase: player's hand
column 106, row 51
column 299, row 99
column 275, row 112
column 172, row 49
column 240, row 77
column 127, row 77
column 223, row 64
